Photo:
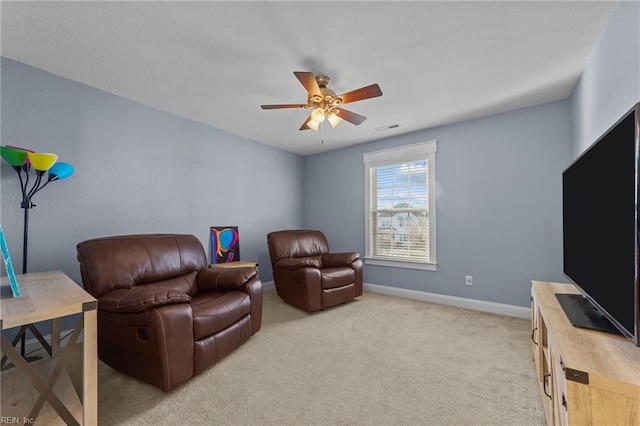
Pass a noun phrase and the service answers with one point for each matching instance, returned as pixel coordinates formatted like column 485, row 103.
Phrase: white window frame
column 419, row 151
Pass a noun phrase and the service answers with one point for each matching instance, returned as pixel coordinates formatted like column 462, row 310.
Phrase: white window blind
column 400, row 205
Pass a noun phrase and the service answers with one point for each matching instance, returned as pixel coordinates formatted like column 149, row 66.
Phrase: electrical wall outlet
column 468, row 280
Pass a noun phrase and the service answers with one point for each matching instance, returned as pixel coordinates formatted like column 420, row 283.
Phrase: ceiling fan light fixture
column 312, row 124
column 323, row 102
column 334, row 120
column 318, row 115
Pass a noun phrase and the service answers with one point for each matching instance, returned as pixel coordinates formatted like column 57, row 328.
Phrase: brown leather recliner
column 307, row 275
column 163, row 315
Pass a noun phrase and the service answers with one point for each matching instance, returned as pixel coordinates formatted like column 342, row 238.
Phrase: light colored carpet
column 379, row 360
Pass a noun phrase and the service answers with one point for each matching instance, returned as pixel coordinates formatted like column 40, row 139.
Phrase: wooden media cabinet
column 586, row 377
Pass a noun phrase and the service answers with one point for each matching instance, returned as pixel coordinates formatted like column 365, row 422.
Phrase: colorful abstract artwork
column 225, row 246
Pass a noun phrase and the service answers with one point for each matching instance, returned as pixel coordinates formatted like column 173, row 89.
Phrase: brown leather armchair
column 163, row 315
column 307, row 275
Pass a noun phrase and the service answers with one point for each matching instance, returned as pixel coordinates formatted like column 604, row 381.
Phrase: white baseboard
column 442, row 299
column 460, row 302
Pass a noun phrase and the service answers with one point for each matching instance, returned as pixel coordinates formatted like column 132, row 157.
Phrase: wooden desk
column 47, row 296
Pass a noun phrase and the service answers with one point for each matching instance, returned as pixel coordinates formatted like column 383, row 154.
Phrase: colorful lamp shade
column 23, row 149
column 42, row 161
column 14, row 156
column 60, row 171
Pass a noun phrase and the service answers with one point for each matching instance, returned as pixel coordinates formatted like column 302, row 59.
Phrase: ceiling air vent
column 387, row 127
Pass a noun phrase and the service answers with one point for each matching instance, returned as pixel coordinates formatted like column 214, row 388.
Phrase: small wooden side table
column 236, row 264
column 47, row 296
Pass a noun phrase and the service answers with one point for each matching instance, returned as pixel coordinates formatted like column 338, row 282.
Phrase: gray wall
column 610, row 84
column 498, row 203
column 138, row 170
column 499, row 186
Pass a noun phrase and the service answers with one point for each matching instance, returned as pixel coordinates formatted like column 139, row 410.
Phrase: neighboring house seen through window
column 400, row 206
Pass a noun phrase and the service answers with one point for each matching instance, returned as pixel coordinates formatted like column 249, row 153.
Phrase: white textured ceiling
column 217, row 62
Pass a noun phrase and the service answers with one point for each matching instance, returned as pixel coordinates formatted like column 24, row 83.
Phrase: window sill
column 401, row 264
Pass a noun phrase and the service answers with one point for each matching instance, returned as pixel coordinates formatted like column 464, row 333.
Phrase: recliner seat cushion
column 337, row 277
column 213, row 312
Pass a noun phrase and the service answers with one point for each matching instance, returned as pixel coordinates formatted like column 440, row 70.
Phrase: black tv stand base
column 582, row 313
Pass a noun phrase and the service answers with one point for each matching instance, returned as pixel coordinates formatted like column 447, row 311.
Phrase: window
column 400, row 206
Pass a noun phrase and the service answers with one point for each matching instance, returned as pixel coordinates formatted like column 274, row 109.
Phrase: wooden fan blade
column 283, row 106
column 309, row 82
column 371, row 91
column 349, row 116
column 305, row 125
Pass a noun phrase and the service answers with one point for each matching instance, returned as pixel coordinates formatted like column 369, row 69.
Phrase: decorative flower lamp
column 23, row 161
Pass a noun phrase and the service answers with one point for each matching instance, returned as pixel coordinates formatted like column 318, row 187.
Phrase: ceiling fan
column 324, row 102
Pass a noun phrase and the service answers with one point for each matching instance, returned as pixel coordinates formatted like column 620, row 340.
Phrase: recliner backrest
column 126, row 261
column 296, row 243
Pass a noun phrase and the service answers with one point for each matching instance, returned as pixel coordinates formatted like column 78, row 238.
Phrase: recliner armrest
column 339, row 259
column 140, row 299
column 293, row 263
column 217, row 279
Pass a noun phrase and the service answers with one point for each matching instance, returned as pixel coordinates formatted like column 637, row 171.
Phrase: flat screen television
column 600, row 218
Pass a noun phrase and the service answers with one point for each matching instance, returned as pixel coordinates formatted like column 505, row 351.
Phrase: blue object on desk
column 8, row 265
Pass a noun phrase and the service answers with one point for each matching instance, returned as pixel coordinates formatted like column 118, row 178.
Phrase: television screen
column 600, row 224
